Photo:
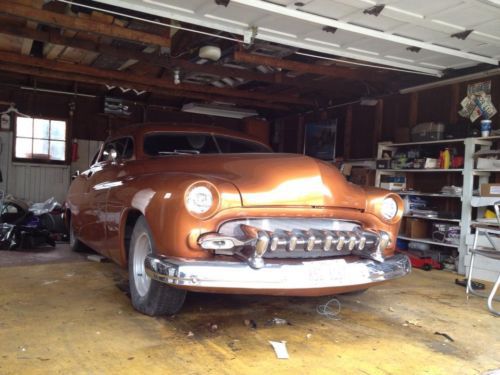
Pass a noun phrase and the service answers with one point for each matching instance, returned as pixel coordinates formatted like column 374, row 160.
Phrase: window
column 124, row 148
column 157, row 144
column 235, row 145
column 40, row 139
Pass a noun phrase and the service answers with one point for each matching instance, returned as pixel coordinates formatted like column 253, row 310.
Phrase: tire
column 74, row 243
column 149, row 296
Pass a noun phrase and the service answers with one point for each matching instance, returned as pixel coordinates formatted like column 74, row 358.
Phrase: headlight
column 199, row 199
column 389, row 208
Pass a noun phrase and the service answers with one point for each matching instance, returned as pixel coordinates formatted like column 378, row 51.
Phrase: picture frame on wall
column 320, row 138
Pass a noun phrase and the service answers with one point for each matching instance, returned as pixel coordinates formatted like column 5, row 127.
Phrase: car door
column 119, row 193
column 100, row 178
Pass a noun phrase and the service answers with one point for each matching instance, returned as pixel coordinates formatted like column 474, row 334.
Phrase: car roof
column 137, row 130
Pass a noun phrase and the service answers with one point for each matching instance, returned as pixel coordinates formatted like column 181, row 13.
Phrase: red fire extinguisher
column 74, row 150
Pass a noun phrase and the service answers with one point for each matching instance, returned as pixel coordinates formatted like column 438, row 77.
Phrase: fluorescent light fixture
column 218, row 110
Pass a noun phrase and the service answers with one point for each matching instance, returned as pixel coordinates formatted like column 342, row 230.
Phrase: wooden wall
column 89, row 122
column 362, row 127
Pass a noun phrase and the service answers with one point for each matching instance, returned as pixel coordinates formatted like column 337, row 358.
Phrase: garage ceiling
column 427, row 36
column 278, row 57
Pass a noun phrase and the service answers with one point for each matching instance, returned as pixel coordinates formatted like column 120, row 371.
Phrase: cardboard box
column 416, row 228
column 362, row 176
column 490, row 190
column 393, row 186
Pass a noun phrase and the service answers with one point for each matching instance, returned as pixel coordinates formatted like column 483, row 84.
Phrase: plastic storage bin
column 427, row 131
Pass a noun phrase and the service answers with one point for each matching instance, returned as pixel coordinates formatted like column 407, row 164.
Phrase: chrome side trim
column 314, row 274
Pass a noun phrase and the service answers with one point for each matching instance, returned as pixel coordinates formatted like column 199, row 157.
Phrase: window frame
column 211, row 135
column 67, row 158
column 131, row 141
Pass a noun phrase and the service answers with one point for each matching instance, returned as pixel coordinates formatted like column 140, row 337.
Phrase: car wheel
column 149, row 296
column 74, row 243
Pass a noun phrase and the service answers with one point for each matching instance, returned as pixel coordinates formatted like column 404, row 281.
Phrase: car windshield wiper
column 179, row 152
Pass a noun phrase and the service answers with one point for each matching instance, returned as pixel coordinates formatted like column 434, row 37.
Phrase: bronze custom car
column 192, row 208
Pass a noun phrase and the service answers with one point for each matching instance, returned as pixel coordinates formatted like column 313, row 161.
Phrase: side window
column 122, row 146
column 129, row 149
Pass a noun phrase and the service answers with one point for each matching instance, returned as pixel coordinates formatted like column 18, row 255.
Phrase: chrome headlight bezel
column 389, row 209
column 201, row 199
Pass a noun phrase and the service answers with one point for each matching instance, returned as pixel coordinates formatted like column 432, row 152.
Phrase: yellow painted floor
column 76, row 318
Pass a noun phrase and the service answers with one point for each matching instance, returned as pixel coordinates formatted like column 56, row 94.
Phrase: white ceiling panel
column 426, row 24
column 467, row 15
column 425, row 7
column 329, row 8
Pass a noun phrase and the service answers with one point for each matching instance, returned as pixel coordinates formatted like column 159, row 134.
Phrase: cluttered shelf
column 428, row 241
column 435, row 218
column 421, row 194
column 428, row 170
column 436, row 142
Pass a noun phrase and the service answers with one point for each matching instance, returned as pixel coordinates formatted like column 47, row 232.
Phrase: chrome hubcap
column 142, row 248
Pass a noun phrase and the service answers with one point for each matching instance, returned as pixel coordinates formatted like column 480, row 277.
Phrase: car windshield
column 158, row 144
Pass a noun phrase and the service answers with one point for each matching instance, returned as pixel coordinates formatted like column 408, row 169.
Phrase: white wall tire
column 149, row 296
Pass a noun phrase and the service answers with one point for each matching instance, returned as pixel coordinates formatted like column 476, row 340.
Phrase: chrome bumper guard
column 310, row 274
column 257, row 241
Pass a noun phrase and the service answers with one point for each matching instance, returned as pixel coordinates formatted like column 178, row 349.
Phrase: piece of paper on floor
column 280, row 349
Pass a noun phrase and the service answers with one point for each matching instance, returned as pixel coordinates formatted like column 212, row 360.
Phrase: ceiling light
column 217, row 110
column 210, row 53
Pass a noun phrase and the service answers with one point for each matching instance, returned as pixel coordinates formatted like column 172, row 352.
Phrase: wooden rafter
column 82, row 24
column 56, row 38
column 72, row 77
column 330, row 71
column 107, row 75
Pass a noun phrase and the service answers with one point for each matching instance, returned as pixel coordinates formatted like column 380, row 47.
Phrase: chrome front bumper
column 303, row 275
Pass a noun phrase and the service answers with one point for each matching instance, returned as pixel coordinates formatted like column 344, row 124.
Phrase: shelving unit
column 429, row 241
column 471, row 178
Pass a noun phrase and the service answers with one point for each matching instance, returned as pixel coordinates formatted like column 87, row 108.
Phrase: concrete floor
column 74, row 317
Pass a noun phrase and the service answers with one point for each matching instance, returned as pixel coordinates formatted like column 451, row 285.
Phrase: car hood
column 276, row 179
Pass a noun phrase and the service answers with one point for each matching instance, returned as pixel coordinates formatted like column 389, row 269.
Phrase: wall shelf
column 438, row 195
column 429, row 241
column 470, row 176
column 441, row 170
column 433, row 218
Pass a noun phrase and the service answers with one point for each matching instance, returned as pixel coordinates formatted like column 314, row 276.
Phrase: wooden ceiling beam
column 85, row 25
column 106, row 75
column 54, row 37
column 330, row 71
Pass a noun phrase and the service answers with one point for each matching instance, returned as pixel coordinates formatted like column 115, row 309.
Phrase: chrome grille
column 301, row 238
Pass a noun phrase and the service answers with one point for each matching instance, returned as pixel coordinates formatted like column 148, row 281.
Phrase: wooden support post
column 377, row 126
column 413, row 115
column 348, row 132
